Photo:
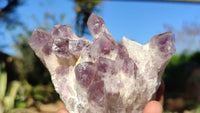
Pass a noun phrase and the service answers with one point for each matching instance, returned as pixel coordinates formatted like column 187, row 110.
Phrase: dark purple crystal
column 85, row 72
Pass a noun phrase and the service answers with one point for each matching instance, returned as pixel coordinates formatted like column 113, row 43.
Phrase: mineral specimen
column 102, row 76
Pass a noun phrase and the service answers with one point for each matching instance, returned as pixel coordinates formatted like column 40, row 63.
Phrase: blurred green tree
column 178, row 71
column 7, row 11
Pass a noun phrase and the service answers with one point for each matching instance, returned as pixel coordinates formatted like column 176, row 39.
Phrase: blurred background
column 25, row 84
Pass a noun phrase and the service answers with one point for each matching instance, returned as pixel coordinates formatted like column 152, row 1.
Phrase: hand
column 152, row 107
column 63, row 111
column 156, row 105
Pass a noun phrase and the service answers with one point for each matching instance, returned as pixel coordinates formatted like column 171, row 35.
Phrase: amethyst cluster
column 102, row 76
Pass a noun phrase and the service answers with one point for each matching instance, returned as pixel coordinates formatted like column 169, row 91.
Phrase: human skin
column 154, row 106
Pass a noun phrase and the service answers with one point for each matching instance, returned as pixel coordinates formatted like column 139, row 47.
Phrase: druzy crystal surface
column 102, row 76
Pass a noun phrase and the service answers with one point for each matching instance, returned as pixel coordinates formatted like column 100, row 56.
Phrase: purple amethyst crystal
column 102, row 76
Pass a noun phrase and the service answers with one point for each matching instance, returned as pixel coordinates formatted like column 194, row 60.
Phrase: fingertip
column 62, row 111
column 153, row 107
column 160, row 93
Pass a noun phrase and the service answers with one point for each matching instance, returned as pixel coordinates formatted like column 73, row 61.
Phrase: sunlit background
column 25, row 84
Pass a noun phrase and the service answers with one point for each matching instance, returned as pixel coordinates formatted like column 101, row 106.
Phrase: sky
column 136, row 20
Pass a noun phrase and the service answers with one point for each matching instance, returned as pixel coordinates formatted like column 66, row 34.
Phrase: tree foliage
column 178, row 72
column 7, row 11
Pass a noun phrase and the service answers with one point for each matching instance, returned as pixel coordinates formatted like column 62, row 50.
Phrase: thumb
column 62, row 111
column 153, row 107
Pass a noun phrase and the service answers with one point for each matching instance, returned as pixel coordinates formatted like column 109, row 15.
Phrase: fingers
column 160, row 93
column 153, row 107
column 62, row 111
